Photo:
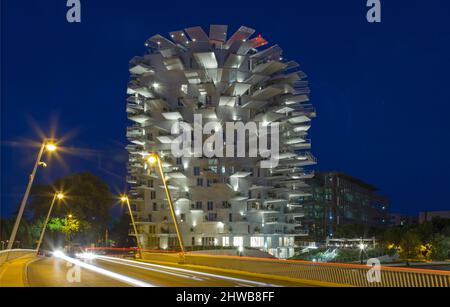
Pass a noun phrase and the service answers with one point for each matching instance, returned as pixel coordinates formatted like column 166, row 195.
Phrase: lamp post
column 155, row 159
column 58, row 196
column 50, row 146
column 362, row 248
column 125, row 199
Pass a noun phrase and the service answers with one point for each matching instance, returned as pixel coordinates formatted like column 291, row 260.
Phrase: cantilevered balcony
column 290, row 221
column 134, row 106
column 271, row 220
column 143, row 90
column 300, row 160
column 257, row 206
column 293, row 99
column 300, row 232
column 304, row 109
column 137, row 66
column 131, row 180
column 139, row 118
column 269, row 68
column 134, row 132
column 134, row 149
column 293, row 214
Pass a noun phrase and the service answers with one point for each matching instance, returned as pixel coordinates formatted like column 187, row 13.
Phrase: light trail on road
column 155, row 270
column 96, row 269
column 142, row 264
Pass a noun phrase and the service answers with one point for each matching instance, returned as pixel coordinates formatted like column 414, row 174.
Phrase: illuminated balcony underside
column 139, row 118
column 299, row 119
column 141, row 68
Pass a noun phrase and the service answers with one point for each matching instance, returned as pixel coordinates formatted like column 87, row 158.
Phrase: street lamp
column 57, row 196
column 362, row 248
column 125, row 199
column 50, row 146
column 155, row 159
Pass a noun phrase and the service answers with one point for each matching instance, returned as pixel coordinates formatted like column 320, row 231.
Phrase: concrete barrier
column 164, row 257
column 333, row 273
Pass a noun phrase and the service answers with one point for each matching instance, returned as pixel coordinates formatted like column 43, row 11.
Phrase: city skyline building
column 219, row 201
column 339, row 199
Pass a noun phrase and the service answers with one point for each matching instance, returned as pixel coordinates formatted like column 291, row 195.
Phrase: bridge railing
column 333, row 273
column 8, row 255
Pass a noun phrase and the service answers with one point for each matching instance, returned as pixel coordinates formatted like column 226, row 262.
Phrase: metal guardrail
column 334, row 273
column 8, row 255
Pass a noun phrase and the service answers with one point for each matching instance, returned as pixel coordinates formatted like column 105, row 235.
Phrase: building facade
column 337, row 199
column 428, row 216
column 398, row 219
column 219, row 201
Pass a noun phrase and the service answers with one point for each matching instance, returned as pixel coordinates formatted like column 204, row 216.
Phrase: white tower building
column 219, row 201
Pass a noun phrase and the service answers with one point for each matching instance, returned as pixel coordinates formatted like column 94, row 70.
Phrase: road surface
column 115, row 272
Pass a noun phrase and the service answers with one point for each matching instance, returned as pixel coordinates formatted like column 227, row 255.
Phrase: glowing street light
column 58, row 196
column 152, row 159
column 156, row 159
column 50, row 146
column 362, row 248
column 125, row 199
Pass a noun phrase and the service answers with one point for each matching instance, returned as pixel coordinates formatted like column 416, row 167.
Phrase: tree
column 353, row 231
column 425, row 231
column 410, row 246
column 68, row 226
column 88, row 198
column 26, row 236
column 393, row 235
column 119, row 233
column 440, row 248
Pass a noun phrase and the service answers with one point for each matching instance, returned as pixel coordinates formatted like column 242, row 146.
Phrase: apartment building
column 231, row 202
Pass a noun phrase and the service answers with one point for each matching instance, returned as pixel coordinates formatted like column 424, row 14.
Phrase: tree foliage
column 119, row 233
column 427, row 241
column 88, row 198
column 410, row 245
column 27, row 234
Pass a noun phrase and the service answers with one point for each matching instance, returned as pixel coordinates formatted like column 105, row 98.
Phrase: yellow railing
column 332, row 273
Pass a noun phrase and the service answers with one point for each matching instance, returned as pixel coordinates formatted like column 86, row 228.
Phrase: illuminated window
column 226, row 241
column 256, row 241
column 238, row 241
column 210, row 205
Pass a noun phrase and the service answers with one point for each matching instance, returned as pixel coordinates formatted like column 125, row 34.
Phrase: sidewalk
column 13, row 273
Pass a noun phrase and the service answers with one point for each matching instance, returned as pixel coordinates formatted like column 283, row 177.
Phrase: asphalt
column 112, row 272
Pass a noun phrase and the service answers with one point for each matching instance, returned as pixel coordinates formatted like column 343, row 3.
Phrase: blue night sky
column 380, row 90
